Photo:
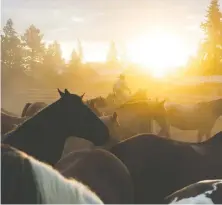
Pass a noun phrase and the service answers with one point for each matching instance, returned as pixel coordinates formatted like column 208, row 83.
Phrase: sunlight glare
column 161, row 53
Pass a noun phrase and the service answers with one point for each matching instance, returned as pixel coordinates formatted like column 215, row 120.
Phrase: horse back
column 105, row 174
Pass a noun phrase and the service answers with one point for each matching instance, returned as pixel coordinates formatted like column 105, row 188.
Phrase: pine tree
column 53, row 61
column 34, row 47
column 212, row 45
column 12, row 49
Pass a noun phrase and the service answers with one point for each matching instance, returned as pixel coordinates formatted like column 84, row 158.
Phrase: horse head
column 86, row 124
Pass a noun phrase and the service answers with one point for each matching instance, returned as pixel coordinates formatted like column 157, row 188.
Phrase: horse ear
column 67, row 92
column 82, row 95
column 60, row 92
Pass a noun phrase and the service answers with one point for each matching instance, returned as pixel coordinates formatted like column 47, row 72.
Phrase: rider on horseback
column 120, row 88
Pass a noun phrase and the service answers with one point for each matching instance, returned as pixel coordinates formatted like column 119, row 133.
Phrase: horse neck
column 44, row 128
column 49, row 117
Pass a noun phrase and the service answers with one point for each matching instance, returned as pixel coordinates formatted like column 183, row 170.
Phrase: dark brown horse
column 43, row 136
column 201, row 116
column 9, row 122
column 161, row 166
column 100, row 170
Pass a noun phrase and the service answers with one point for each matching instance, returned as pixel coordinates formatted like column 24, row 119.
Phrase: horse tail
column 27, row 105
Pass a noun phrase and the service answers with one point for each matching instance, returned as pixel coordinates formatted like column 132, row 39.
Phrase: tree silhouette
column 34, row 47
column 212, row 45
column 12, row 49
column 53, row 60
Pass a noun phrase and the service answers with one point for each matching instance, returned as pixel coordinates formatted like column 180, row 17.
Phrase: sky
column 97, row 22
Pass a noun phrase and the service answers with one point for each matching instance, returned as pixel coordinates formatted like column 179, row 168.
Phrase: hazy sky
column 96, row 22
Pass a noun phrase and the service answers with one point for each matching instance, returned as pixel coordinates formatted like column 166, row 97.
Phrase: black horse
column 161, row 166
column 43, row 136
column 102, row 172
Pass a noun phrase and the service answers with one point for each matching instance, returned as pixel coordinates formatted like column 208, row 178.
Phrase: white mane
column 56, row 189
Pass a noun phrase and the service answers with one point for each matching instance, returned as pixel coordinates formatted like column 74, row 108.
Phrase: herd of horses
column 109, row 160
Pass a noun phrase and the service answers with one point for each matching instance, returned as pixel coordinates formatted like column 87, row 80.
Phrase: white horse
column 27, row 180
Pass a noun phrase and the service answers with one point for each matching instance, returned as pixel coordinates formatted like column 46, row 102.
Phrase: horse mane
column 27, row 105
column 53, row 187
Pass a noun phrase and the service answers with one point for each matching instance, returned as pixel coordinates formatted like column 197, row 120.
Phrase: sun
column 161, row 53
